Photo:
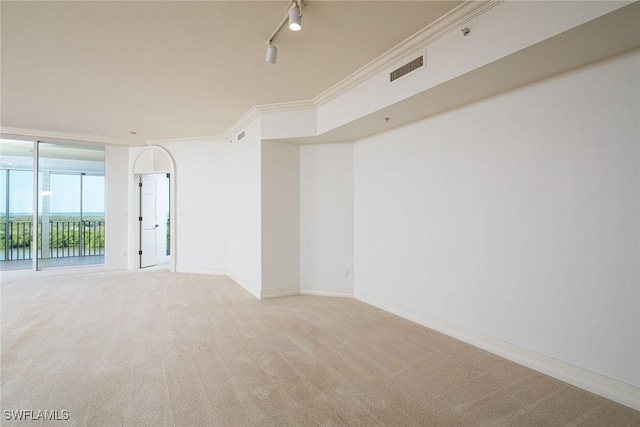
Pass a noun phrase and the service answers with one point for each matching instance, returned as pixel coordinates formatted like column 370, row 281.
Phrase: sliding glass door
column 16, row 204
column 70, row 226
column 71, row 201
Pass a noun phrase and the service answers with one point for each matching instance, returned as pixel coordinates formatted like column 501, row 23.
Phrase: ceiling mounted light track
column 294, row 18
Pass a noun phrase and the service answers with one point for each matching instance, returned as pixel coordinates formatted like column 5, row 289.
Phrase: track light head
column 272, row 54
column 295, row 20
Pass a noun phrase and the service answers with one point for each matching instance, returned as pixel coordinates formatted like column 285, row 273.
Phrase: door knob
column 157, row 225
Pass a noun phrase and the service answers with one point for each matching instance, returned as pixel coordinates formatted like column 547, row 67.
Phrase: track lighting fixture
column 294, row 18
column 272, row 54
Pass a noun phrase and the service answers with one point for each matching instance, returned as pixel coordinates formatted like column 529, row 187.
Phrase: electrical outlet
column 347, row 273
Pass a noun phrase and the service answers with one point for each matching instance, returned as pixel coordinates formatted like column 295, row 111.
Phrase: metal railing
column 65, row 239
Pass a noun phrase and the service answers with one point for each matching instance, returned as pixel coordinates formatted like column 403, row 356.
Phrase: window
column 70, row 227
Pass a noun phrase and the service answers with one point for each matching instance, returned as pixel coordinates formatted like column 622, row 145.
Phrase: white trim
column 618, row 391
column 415, row 43
column 285, row 106
column 251, row 290
column 251, row 114
column 173, row 205
column 255, row 112
column 285, row 291
column 215, row 138
column 326, row 291
column 48, row 135
column 214, row 272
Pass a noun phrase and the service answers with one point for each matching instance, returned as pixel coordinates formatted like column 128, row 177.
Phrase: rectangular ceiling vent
column 407, row 68
column 240, row 135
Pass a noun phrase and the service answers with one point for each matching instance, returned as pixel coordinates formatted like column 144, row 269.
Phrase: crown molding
column 214, row 138
column 251, row 114
column 65, row 136
column 285, row 106
column 417, row 42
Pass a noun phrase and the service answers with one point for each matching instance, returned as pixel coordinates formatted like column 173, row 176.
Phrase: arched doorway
column 152, row 162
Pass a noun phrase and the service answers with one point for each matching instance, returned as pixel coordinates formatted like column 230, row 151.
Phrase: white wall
column 117, row 211
column 292, row 123
column 326, row 219
column 280, row 218
column 517, row 216
column 244, row 251
column 201, row 202
column 218, row 201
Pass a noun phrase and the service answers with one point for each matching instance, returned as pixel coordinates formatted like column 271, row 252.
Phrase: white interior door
column 154, row 205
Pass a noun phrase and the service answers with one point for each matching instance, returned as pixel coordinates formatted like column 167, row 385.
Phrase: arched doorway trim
column 152, row 160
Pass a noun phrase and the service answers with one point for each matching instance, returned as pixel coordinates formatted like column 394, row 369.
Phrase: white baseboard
column 214, row 272
column 618, row 391
column 251, row 290
column 285, row 291
column 326, row 291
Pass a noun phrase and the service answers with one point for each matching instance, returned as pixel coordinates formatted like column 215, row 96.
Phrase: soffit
column 609, row 35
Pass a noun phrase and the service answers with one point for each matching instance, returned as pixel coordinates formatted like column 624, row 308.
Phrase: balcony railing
column 63, row 239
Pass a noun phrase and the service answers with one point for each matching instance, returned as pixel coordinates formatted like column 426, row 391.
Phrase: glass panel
column 93, row 214
column 69, row 233
column 16, row 198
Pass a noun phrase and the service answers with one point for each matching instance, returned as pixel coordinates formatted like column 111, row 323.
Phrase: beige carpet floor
column 152, row 348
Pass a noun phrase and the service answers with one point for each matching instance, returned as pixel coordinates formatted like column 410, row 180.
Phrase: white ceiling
column 182, row 69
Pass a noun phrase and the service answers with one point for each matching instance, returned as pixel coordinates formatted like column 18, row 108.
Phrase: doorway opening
column 153, row 207
column 154, row 218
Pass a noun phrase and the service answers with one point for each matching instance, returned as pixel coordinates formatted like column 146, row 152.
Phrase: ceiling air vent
column 407, row 68
column 240, row 135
